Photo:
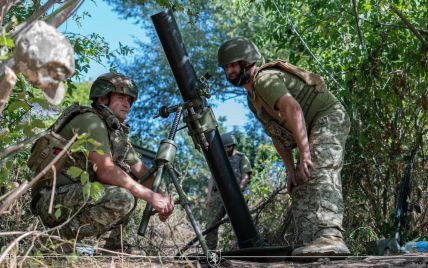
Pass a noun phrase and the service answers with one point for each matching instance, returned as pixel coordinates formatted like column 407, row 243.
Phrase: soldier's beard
column 241, row 79
column 229, row 152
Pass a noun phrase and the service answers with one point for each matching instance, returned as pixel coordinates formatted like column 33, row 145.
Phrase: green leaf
column 84, row 177
column 5, row 56
column 83, row 136
column 87, row 190
column 74, row 172
column 74, row 257
column 38, row 123
column 58, row 213
column 93, row 142
column 41, row 101
column 14, row 105
column 97, row 190
column 28, row 130
column 5, row 40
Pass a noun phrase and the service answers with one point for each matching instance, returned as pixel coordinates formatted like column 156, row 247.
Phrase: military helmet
column 228, row 139
column 113, row 82
column 238, row 49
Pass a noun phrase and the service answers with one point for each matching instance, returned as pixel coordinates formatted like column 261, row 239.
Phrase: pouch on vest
column 44, row 150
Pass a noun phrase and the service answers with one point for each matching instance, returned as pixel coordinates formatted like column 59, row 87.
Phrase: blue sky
column 114, row 29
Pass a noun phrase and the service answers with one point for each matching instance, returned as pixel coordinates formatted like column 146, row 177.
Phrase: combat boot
column 323, row 246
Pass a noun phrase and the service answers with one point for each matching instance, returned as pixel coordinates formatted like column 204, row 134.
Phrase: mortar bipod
column 164, row 160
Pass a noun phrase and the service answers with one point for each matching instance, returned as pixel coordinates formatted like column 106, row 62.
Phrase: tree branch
column 259, row 207
column 7, row 82
column 37, row 234
column 5, row 5
column 409, row 25
column 36, row 15
column 360, row 35
column 53, row 190
column 20, row 145
column 66, row 10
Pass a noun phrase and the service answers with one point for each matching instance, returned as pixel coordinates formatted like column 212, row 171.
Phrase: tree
column 374, row 58
column 24, row 110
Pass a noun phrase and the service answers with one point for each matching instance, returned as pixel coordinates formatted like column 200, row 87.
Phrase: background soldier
column 115, row 166
column 296, row 110
column 242, row 168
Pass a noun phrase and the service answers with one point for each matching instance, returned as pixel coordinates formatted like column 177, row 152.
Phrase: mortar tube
column 215, row 155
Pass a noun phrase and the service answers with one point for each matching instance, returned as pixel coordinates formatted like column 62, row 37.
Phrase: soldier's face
column 229, row 149
column 120, row 104
column 232, row 71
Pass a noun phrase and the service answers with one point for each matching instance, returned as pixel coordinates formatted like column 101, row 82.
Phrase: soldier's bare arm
column 245, row 178
column 139, row 170
column 293, row 114
column 287, row 158
column 109, row 173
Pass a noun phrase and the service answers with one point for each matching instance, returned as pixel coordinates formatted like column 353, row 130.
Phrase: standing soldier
column 112, row 162
column 242, row 168
column 297, row 111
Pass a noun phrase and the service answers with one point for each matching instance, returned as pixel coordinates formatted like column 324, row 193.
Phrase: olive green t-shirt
column 270, row 84
column 246, row 165
column 240, row 164
column 91, row 123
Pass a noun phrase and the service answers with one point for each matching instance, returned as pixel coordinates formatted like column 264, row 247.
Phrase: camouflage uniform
column 116, row 204
column 317, row 206
column 94, row 218
column 240, row 164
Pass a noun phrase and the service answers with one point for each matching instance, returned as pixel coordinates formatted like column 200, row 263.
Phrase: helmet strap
column 108, row 99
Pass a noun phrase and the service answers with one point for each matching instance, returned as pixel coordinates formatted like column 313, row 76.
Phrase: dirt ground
column 407, row 260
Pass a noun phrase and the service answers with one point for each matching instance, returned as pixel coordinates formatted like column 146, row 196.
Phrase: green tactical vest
column 49, row 145
column 271, row 120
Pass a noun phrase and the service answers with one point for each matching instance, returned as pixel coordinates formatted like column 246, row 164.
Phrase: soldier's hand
column 164, row 205
column 164, row 216
column 291, row 179
column 305, row 167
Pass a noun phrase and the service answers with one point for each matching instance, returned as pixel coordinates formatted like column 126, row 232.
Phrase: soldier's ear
column 102, row 100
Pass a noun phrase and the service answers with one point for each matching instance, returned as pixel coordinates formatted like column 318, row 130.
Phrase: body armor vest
column 118, row 133
column 272, row 121
column 49, row 145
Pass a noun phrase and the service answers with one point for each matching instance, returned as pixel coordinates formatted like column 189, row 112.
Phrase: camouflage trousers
column 216, row 213
column 94, row 218
column 317, row 206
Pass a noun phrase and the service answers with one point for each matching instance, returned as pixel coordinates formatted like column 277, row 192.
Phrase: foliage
column 27, row 113
column 371, row 60
column 380, row 78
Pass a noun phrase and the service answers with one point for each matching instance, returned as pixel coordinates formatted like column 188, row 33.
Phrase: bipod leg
column 185, row 204
column 148, row 210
